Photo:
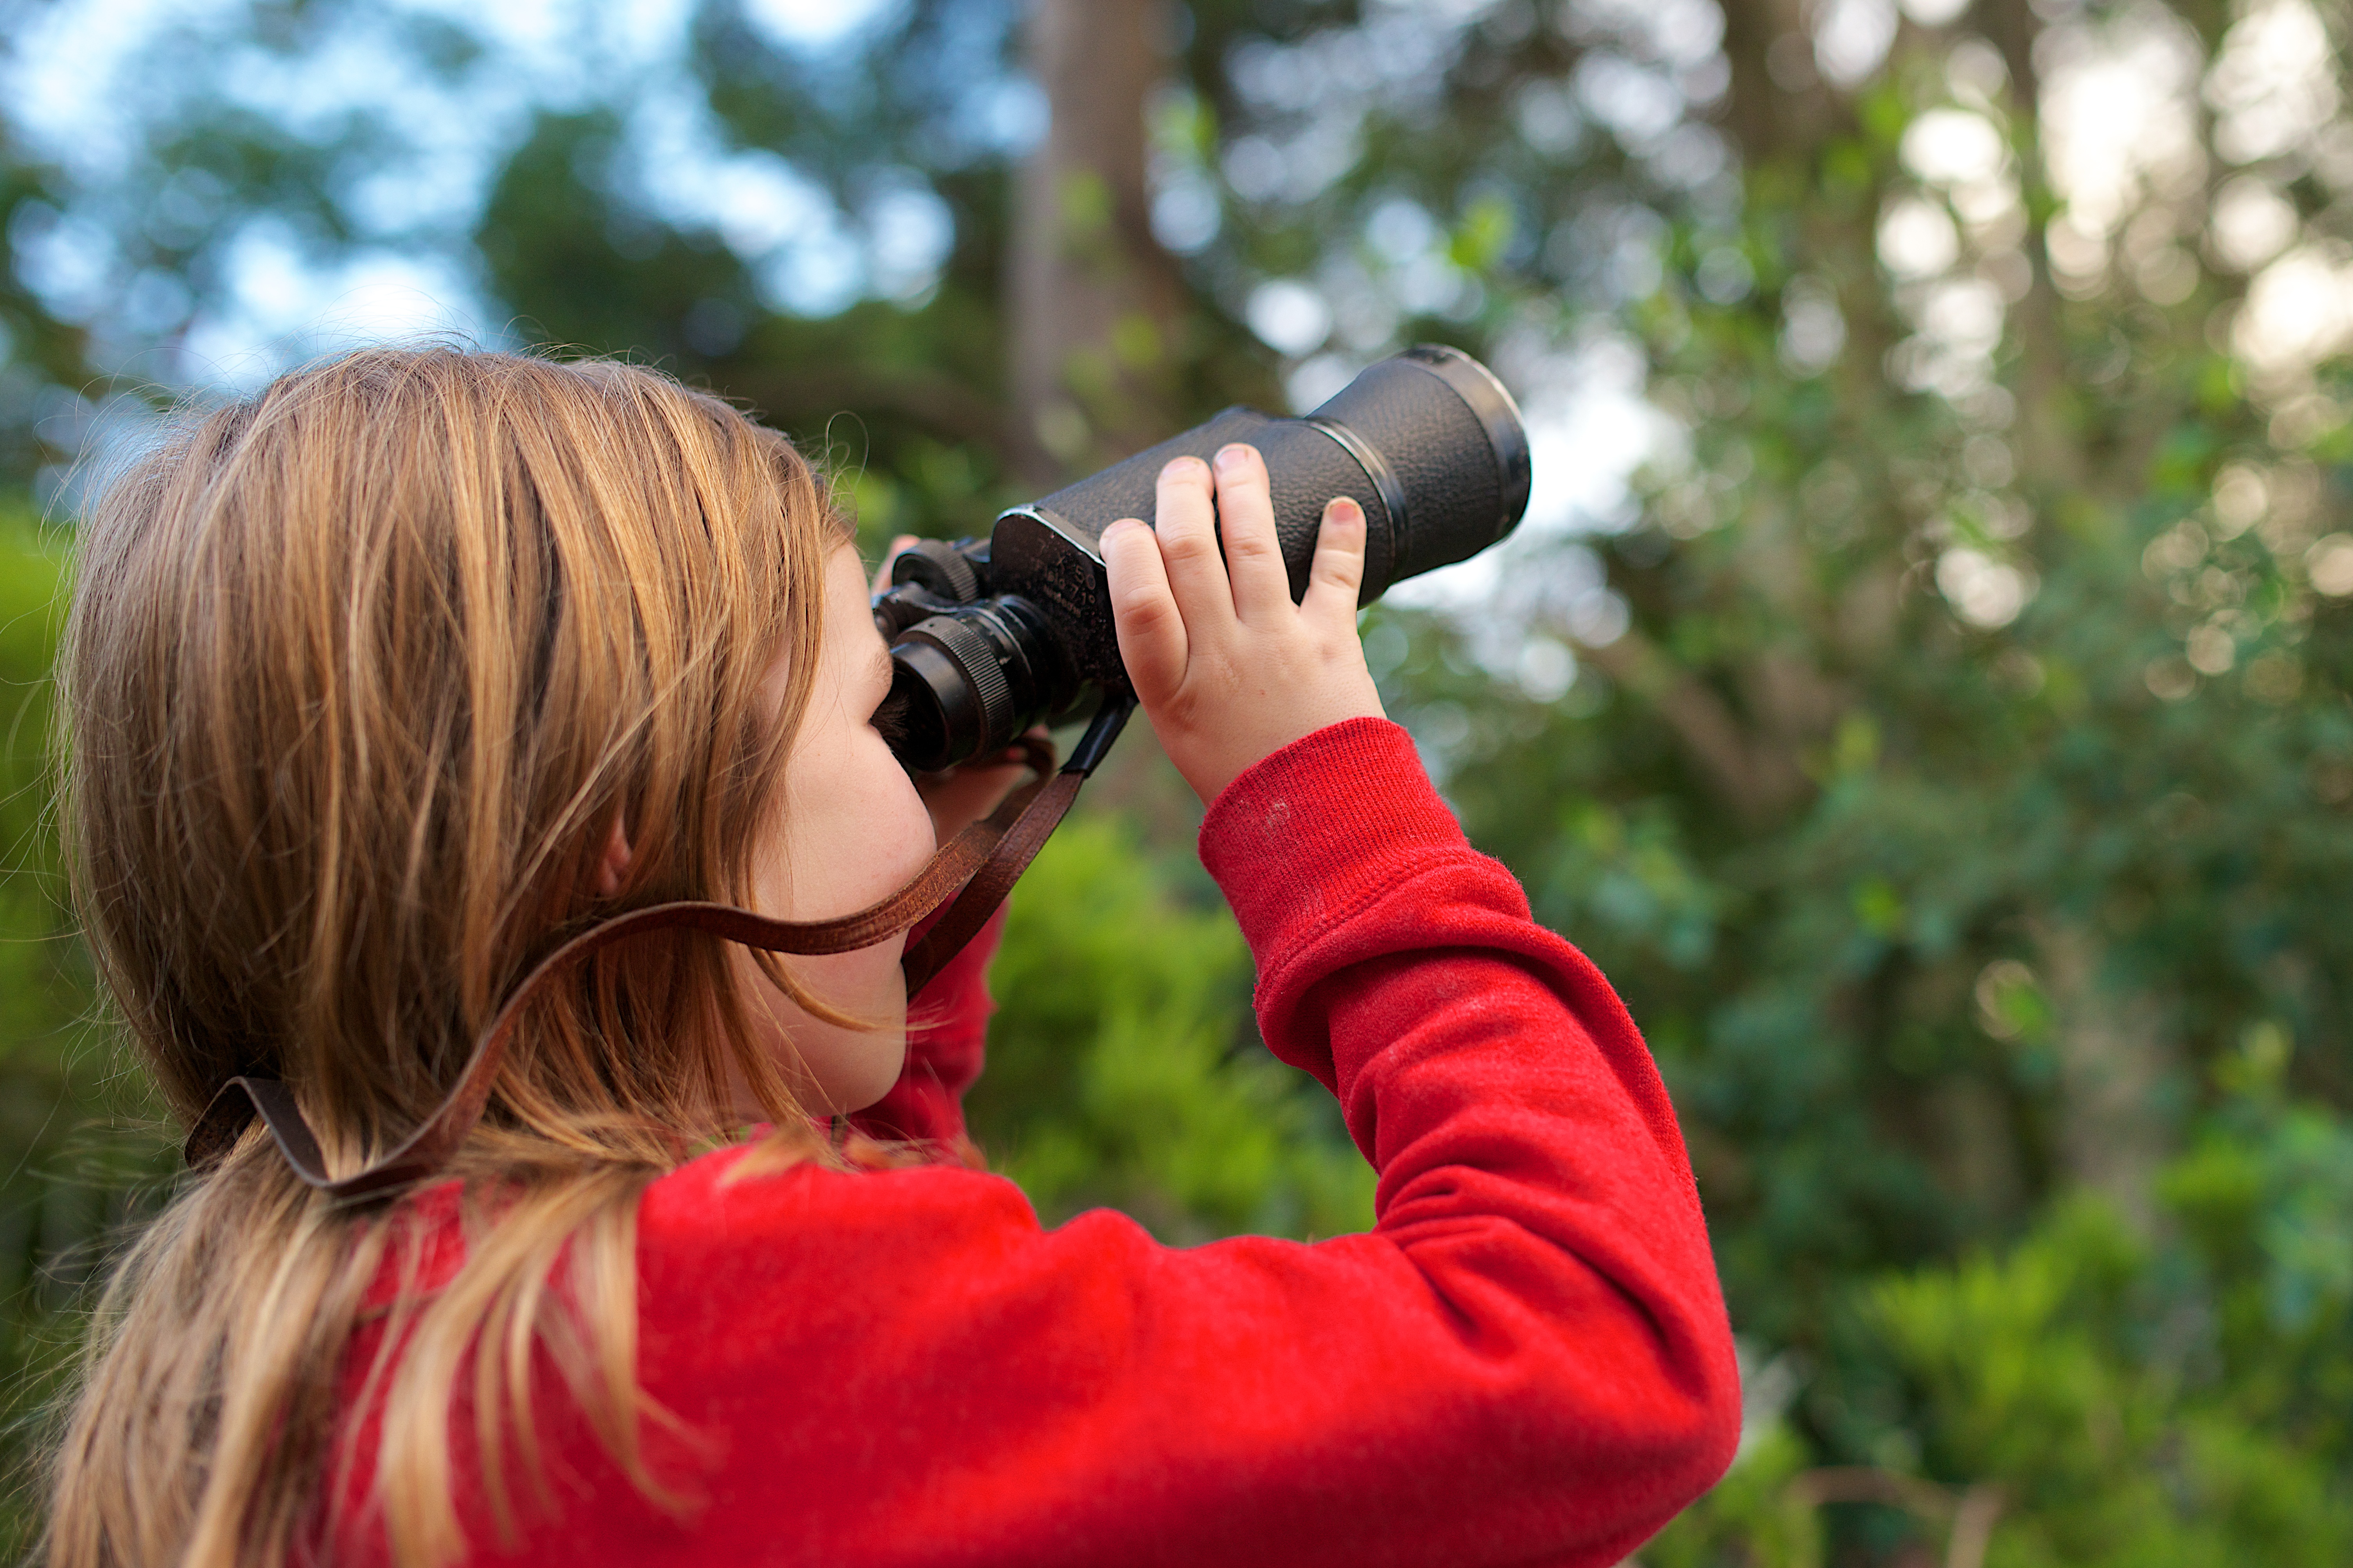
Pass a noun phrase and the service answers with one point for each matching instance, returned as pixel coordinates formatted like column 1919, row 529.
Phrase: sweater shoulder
column 807, row 1241
column 716, row 1202
column 888, row 1279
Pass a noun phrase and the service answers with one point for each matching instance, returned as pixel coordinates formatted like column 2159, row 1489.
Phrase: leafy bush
column 1122, row 1068
column 2124, row 1404
column 81, row 1145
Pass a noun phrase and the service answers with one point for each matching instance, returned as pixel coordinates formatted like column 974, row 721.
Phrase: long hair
column 361, row 673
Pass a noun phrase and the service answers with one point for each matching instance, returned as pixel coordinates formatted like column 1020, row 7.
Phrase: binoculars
column 989, row 637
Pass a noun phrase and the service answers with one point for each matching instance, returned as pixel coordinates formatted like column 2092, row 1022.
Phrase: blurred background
column 1921, row 682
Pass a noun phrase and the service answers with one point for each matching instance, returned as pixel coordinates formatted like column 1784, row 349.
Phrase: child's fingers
column 1152, row 642
column 1187, row 524
column 1338, row 573
column 898, row 546
column 1246, row 521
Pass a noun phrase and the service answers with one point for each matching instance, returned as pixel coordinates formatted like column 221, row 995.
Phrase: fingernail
column 1343, row 509
column 1125, row 522
column 1176, row 464
column 1231, row 459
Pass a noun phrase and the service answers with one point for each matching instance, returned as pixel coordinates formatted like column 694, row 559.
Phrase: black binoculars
column 989, row 637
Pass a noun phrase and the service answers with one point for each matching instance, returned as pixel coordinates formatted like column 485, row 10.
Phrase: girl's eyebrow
column 882, row 660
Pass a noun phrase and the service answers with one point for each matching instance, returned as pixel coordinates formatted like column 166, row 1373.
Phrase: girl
column 385, row 682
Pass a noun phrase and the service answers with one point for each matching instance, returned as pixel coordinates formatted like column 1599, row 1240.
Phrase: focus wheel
column 976, row 658
column 937, row 565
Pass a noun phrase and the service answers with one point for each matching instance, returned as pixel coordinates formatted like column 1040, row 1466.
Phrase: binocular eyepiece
column 988, row 637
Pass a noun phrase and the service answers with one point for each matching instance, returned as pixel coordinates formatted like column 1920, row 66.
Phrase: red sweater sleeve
column 1525, row 1362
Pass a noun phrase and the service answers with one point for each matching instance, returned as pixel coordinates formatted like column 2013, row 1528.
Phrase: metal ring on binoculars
column 1385, row 485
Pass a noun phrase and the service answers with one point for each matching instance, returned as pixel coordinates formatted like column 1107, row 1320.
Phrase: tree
column 1094, row 303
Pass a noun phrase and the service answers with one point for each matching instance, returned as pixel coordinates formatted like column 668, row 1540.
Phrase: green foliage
column 2170, row 1405
column 32, row 572
column 2182, row 1404
column 2017, row 1356
column 1122, row 1070
column 66, row 1186
column 1751, row 1519
column 60, row 1189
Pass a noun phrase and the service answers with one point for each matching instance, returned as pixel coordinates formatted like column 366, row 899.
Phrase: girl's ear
column 614, row 864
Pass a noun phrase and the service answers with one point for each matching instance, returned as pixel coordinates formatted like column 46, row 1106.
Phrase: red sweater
column 1525, row 1361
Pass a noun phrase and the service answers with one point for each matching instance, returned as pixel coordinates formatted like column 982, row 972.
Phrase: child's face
column 853, row 831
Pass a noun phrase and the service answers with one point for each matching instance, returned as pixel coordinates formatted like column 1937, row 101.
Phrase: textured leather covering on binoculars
column 1462, row 490
column 1407, row 412
column 1030, row 554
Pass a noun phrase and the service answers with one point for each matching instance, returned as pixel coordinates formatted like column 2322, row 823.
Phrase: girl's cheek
column 855, row 830
column 895, row 836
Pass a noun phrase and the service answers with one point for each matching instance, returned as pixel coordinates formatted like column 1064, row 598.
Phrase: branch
column 1756, row 779
column 1970, row 1519
column 944, row 406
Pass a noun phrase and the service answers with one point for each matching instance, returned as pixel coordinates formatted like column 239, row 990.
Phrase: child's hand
column 1227, row 667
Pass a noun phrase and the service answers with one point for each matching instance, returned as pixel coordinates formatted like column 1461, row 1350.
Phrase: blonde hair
column 361, row 673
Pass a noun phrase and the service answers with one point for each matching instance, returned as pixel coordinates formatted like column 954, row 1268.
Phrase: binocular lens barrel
column 990, row 638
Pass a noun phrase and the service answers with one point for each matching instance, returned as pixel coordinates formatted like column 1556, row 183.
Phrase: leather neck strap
column 976, row 869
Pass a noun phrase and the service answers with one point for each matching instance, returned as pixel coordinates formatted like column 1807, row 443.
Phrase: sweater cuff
column 1312, row 832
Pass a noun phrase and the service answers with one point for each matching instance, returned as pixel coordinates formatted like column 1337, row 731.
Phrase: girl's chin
column 851, row 1079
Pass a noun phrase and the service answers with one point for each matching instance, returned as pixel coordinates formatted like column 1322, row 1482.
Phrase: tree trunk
column 1767, row 120
column 1095, row 300
column 2115, row 1055
column 2049, row 447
